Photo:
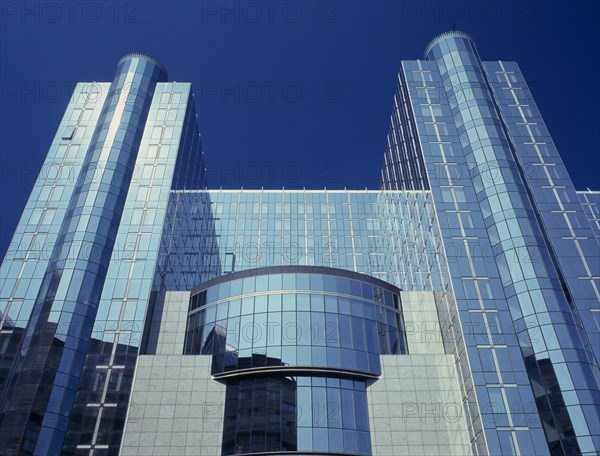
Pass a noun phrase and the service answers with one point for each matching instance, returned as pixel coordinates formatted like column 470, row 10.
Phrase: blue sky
column 289, row 93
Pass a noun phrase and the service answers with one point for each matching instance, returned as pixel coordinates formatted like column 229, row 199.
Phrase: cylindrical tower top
column 163, row 75
column 453, row 34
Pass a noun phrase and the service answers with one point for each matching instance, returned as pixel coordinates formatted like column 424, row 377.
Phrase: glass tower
column 527, row 263
column 453, row 311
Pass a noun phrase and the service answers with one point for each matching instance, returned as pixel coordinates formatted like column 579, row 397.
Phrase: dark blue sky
column 289, row 93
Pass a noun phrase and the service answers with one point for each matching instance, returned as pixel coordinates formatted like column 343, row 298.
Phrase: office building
column 453, row 311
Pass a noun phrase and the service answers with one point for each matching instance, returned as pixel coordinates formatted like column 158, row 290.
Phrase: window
column 68, row 133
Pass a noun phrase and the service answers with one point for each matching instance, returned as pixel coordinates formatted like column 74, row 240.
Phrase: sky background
column 289, row 93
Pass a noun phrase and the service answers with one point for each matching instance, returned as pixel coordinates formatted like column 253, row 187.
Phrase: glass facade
column 389, row 235
column 320, row 415
column 528, row 264
column 77, row 276
column 65, row 307
column 295, row 319
column 28, row 255
column 591, row 204
column 290, row 311
column 295, row 345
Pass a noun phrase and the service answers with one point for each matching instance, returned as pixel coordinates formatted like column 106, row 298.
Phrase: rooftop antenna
column 454, row 26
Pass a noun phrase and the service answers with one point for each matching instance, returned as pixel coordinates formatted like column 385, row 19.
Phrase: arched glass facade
column 296, row 347
column 288, row 316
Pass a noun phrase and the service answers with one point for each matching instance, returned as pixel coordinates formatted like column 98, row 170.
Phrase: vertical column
column 552, row 344
column 123, row 305
column 494, row 395
column 46, row 375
